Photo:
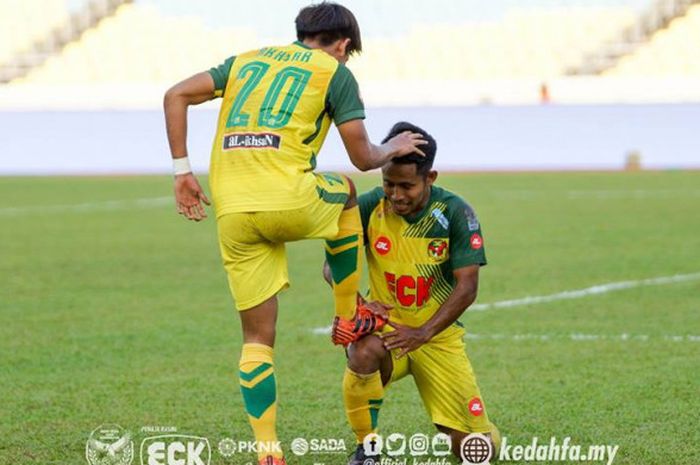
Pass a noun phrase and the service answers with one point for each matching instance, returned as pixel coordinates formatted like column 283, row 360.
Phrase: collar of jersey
column 418, row 216
column 301, row 44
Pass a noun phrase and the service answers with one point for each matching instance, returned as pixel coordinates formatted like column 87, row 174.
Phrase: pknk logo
column 175, row 449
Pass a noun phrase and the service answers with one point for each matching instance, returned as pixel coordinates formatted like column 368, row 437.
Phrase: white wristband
column 181, row 166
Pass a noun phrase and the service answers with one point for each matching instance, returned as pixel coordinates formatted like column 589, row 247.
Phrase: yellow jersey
column 278, row 103
column 411, row 259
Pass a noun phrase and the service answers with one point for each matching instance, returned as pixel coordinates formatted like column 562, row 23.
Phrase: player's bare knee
column 366, row 354
column 352, row 196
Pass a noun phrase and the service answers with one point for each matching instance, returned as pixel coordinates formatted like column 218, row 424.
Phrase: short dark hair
column 328, row 22
column 423, row 164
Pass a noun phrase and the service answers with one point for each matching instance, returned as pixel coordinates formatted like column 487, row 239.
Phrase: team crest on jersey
column 263, row 140
column 437, row 249
column 382, row 245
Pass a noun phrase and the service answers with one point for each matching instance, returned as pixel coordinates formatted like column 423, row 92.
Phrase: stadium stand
column 139, row 44
column 672, row 51
column 655, row 44
column 505, row 50
column 39, row 29
column 22, row 22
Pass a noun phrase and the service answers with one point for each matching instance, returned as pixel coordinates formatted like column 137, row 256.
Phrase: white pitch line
column 581, row 337
column 634, row 194
column 147, row 202
column 568, row 295
column 593, row 290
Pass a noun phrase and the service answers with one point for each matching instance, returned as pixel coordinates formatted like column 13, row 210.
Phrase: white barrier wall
column 483, row 137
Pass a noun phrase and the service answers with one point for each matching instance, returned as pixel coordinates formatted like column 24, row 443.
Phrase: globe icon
column 475, row 449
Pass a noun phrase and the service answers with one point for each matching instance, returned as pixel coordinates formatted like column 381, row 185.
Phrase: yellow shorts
column 252, row 244
column 446, row 382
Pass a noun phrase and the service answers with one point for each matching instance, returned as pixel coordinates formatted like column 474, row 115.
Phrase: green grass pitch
column 113, row 309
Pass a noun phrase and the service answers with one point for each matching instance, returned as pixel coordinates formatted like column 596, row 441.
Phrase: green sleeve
column 220, row 75
column 368, row 202
column 343, row 98
column 466, row 239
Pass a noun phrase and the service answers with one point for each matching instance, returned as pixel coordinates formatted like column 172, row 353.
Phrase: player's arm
column 345, row 106
column 192, row 91
column 367, row 156
column 462, row 296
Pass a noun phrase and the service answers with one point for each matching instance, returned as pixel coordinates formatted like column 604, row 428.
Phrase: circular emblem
column 475, row 449
column 109, row 445
column 437, row 249
column 476, row 241
column 300, row 446
column 227, row 447
column 382, row 245
column 476, row 408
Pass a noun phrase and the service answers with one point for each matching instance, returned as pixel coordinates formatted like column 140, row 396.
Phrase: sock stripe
column 250, row 375
column 259, row 398
column 258, row 379
column 342, row 248
column 334, row 244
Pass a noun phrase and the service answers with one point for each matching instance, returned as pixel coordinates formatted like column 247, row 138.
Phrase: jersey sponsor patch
column 437, row 249
column 475, row 406
column 382, row 245
column 472, row 220
column 264, row 140
column 476, row 241
column 441, row 218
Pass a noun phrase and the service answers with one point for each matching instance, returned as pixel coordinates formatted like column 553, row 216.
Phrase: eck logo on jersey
column 437, row 249
column 409, row 290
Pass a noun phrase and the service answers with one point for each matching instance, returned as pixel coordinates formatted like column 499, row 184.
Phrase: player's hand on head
column 407, row 143
column 405, row 338
column 189, row 197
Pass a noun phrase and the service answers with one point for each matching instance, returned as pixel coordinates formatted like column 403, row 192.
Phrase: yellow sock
column 344, row 255
column 258, row 386
column 495, row 439
column 363, row 396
